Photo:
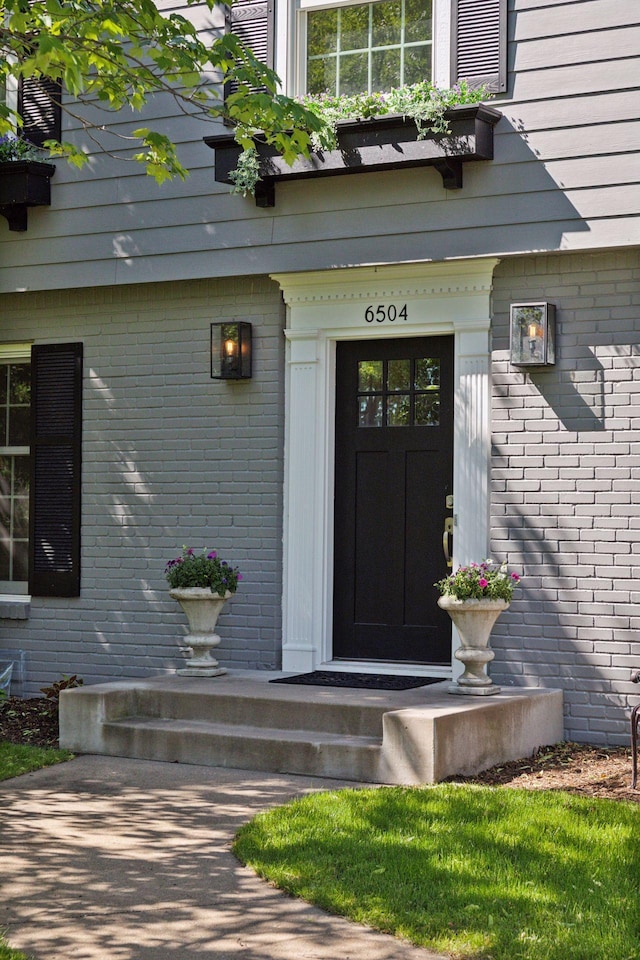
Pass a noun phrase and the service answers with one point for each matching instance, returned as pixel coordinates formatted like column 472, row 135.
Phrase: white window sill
column 14, row 608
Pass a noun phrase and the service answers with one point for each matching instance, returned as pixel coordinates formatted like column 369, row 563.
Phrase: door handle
column 446, row 540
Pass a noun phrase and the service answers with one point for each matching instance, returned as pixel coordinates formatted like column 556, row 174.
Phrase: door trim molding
column 322, row 308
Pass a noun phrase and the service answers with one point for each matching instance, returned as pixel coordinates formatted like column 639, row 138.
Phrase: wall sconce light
column 231, row 350
column 533, row 334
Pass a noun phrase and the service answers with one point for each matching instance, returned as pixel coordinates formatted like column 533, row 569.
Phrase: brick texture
column 170, row 457
column 566, row 489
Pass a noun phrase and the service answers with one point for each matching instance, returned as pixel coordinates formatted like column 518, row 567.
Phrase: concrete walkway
column 130, row 860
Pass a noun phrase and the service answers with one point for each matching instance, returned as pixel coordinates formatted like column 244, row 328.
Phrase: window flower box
column 23, row 184
column 389, row 142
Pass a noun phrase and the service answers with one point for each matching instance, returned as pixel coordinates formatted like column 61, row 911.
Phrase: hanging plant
column 424, row 103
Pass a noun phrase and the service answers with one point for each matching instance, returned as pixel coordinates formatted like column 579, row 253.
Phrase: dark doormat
column 360, row 681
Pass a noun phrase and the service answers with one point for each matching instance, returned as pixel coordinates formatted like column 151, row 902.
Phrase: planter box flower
column 389, row 142
column 23, row 184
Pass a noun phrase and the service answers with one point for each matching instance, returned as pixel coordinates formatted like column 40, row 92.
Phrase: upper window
column 350, row 46
column 363, row 47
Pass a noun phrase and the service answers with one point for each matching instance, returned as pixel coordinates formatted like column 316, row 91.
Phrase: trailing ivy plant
column 246, row 175
column 424, row 103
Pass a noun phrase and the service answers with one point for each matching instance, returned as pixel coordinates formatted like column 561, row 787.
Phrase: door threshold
column 390, row 668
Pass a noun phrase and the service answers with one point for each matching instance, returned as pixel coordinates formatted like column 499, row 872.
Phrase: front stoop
column 374, row 736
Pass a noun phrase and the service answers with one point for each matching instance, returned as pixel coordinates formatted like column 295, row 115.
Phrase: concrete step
column 267, row 705
column 240, row 720
column 246, row 747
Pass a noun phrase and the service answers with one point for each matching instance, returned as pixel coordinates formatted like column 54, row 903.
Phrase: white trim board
column 322, row 308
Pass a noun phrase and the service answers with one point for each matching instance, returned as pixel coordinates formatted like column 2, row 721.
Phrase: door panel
column 394, row 464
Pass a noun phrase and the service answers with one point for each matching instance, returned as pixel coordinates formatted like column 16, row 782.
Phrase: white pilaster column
column 302, row 476
column 472, row 437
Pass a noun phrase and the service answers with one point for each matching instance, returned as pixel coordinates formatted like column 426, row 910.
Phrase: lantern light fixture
column 533, row 334
column 231, row 350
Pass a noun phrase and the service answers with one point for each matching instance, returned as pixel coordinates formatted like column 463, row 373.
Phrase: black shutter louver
column 56, row 434
column 479, row 43
column 39, row 106
column 252, row 21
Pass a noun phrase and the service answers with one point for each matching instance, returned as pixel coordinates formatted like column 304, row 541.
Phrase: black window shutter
column 253, row 22
column 39, row 106
column 479, row 43
column 56, row 450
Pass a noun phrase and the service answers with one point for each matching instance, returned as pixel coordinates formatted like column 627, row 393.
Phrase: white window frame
column 290, row 54
column 14, row 353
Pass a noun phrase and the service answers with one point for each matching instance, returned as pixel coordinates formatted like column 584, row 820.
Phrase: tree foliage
column 114, row 55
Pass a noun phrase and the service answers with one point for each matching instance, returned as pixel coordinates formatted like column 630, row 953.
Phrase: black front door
column 394, row 471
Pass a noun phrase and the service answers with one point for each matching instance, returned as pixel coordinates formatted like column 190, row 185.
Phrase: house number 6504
column 380, row 314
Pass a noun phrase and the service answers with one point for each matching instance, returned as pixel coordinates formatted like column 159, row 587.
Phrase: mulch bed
column 582, row 768
column 574, row 767
column 33, row 722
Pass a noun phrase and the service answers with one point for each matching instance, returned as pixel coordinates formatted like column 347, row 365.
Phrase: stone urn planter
column 474, row 620
column 202, row 608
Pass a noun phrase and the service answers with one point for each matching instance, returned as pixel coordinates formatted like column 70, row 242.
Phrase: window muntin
column 357, row 48
column 15, row 405
column 399, row 393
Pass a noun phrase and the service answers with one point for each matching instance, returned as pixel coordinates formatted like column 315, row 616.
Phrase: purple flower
column 189, row 552
column 212, row 555
column 239, row 576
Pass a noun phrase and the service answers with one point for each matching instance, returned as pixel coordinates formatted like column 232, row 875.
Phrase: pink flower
column 483, row 583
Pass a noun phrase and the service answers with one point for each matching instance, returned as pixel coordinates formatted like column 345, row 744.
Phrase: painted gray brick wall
column 566, row 489
column 171, row 457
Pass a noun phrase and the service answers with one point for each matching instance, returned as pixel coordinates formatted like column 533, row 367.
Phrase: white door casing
column 322, row 308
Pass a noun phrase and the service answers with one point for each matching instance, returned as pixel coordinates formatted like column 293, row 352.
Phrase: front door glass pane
column 427, row 374
column 427, row 410
column 369, row 376
column 399, row 393
column 399, row 411
column 370, row 411
column 399, row 374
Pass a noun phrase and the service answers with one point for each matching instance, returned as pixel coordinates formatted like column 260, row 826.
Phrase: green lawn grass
column 6, row 953
column 16, row 759
column 478, row 872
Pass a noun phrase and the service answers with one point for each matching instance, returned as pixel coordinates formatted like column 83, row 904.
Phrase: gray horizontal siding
column 574, row 17
column 566, row 174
